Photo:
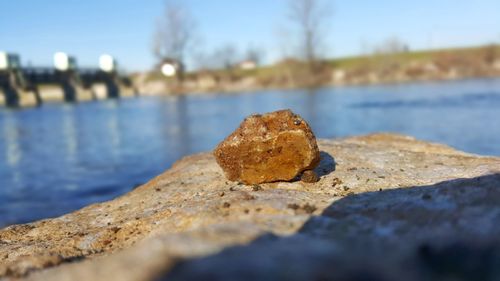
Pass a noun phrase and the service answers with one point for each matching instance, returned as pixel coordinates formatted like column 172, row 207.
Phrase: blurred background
column 98, row 97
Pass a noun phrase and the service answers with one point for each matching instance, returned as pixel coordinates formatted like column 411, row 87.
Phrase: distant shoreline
column 406, row 67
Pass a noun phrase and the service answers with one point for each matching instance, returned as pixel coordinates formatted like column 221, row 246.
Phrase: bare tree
column 227, row 56
column 310, row 16
column 391, row 46
column 224, row 57
column 175, row 32
column 283, row 36
column 254, row 54
column 490, row 53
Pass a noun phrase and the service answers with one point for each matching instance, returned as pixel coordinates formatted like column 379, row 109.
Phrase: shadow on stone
column 326, row 164
column 444, row 231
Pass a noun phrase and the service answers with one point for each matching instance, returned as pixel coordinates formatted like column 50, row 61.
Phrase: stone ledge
column 380, row 194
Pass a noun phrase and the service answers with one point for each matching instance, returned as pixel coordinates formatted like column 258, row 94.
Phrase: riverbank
column 410, row 201
column 434, row 65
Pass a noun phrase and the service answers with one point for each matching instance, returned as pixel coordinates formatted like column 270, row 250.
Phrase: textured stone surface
column 387, row 206
column 267, row 148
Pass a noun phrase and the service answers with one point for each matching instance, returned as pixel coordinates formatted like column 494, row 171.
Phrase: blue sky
column 124, row 28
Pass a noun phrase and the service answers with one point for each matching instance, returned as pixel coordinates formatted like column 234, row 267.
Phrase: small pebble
column 336, row 181
column 309, row 176
column 256, row 187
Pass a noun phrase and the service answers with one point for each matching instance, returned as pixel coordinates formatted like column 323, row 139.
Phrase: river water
column 61, row 157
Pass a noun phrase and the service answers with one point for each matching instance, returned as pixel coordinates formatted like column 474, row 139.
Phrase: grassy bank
column 443, row 64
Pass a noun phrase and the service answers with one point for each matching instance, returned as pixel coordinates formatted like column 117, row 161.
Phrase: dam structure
column 28, row 86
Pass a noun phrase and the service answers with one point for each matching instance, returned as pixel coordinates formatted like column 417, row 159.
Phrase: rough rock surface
column 387, row 206
column 267, row 148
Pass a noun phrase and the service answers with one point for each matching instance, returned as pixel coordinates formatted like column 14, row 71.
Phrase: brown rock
column 276, row 146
